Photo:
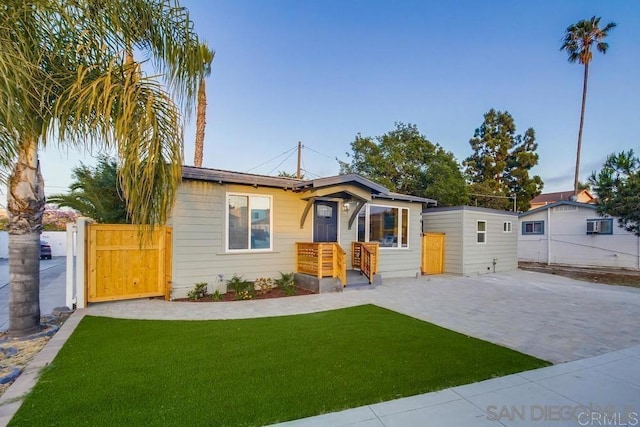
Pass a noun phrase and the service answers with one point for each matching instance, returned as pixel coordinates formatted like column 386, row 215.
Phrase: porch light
column 346, row 206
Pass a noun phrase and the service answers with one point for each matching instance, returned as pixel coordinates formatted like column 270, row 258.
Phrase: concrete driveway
column 554, row 318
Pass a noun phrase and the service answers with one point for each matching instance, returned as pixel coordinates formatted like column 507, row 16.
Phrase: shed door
column 432, row 253
column 325, row 221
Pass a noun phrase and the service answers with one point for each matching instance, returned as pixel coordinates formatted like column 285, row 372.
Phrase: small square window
column 506, row 226
column 481, row 232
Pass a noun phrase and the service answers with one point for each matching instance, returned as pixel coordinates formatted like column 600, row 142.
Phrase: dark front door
column 325, row 222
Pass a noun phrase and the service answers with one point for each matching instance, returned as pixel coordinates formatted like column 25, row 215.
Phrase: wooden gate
column 118, row 267
column 432, row 253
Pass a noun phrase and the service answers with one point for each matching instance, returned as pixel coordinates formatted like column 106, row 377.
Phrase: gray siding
column 199, row 232
column 450, row 223
column 393, row 262
column 499, row 246
column 463, row 254
column 199, row 228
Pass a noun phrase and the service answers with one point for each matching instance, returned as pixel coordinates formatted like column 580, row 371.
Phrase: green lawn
column 255, row 371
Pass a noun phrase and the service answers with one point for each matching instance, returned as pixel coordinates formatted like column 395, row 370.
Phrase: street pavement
column 52, row 287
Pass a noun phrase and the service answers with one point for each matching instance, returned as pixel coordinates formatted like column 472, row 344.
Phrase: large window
column 533, row 227
column 249, row 222
column 386, row 225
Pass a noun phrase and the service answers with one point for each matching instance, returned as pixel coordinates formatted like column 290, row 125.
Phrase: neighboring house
column 572, row 233
column 583, row 196
column 477, row 240
column 230, row 223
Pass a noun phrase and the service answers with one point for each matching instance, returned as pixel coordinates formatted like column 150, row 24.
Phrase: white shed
column 573, row 233
column 477, row 240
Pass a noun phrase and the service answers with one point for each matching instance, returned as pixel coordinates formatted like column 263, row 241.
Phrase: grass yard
column 254, row 371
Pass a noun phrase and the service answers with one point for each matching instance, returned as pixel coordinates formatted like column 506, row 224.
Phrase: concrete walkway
column 595, row 327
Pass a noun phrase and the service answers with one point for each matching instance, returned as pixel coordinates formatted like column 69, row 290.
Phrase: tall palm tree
column 201, row 109
column 578, row 41
column 67, row 77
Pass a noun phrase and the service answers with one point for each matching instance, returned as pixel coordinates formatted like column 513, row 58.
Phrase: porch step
column 355, row 281
column 358, row 281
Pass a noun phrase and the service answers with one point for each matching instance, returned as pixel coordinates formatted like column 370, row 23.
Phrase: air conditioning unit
column 593, row 227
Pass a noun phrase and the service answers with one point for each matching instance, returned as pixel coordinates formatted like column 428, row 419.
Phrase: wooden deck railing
column 358, row 258
column 367, row 258
column 321, row 260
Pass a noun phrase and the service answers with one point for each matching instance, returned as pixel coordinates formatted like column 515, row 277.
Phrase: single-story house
column 476, row 240
column 583, row 196
column 230, row 223
column 572, row 233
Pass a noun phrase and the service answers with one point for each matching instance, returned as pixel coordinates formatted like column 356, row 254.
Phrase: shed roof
column 468, row 208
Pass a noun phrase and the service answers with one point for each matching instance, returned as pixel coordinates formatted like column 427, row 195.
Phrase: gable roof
column 556, row 197
column 552, row 205
column 220, row 176
column 224, row 176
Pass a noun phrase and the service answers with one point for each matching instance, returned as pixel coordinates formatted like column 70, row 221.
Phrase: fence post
column 81, row 260
column 70, row 298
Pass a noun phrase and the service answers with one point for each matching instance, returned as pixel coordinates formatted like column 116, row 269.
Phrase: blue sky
column 322, row 71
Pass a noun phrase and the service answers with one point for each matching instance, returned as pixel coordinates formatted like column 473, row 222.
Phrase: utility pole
column 298, row 175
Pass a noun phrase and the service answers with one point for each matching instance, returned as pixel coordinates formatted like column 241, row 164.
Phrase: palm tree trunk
column 25, row 203
column 584, row 102
column 201, row 122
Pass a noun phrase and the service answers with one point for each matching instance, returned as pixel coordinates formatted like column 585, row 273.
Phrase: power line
column 270, row 160
column 323, row 154
column 286, row 158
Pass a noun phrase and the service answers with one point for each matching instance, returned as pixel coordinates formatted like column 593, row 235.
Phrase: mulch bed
column 231, row 296
column 609, row 276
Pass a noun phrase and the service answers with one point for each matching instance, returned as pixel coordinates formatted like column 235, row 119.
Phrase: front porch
column 322, row 266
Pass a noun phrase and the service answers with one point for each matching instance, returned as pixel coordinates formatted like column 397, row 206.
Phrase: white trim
column 508, row 225
column 367, row 222
column 226, row 222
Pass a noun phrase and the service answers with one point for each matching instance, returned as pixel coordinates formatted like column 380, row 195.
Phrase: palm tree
column 578, row 40
column 67, row 76
column 201, row 109
column 95, row 192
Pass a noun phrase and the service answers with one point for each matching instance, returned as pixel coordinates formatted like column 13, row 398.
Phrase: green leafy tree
column 578, row 42
column 405, row 161
column 617, row 185
column 95, row 192
column 499, row 167
column 68, row 75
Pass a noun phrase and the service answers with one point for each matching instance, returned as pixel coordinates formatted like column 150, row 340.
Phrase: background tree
column 95, row 192
column 500, row 164
column 405, row 161
column 201, row 109
column 67, row 74
column 55, row 219
column 578, row 41
column 618, row 188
